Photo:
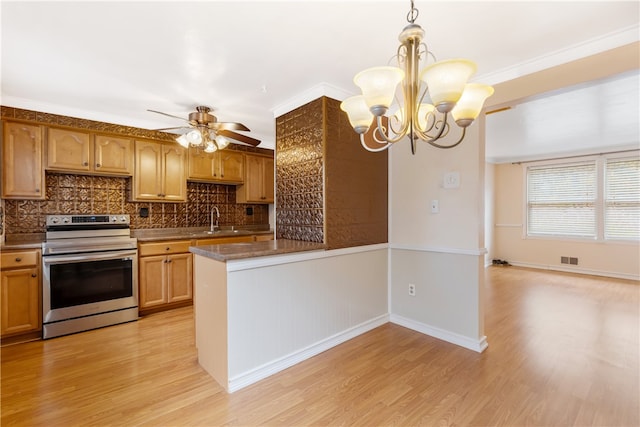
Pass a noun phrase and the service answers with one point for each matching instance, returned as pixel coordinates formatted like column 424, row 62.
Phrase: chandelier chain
column 413, row 14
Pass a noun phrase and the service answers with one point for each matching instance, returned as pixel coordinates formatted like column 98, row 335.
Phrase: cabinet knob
column 18, row 259
column 98, row 165
column 37, row 190
column 34, row 275
column 85, row 164
column 168, row 249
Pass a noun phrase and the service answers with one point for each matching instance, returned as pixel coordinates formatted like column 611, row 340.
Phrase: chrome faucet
column 214, row 209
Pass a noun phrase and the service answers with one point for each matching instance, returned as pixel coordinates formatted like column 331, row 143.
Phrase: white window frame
column 600, row 161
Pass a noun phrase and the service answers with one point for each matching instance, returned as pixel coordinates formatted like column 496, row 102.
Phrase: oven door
column 86, row 284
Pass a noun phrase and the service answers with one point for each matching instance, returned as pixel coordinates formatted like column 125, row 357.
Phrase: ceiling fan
column 204, row 130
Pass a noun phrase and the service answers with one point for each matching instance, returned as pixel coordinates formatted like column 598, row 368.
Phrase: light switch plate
column 452, row 180
column 435, row 206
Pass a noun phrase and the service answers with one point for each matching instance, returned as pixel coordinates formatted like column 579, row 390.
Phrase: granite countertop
column 157, row 234
column 35, row 240
column 33, row 243
column 232, row 251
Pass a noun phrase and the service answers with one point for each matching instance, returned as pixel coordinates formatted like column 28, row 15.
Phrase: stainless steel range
column 90, row 271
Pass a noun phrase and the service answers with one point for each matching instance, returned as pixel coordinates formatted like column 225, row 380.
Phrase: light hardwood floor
column 563, row 350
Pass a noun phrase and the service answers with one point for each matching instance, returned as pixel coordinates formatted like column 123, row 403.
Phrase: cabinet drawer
column 18, row 259
column 161, row 248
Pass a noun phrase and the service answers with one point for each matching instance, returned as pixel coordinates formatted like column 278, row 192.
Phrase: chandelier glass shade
column 204, row 138
column 428, row 96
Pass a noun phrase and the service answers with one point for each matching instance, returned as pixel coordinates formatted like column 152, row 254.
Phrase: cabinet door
column 22, row 172
column 179, row 277
column 201, row 164
column 174, row 173
column 20, row 300
column 258, row 181
column 268, row 180
column 68, row 150
column 147, row 177
column 253, row 181
column 153, row 281
column 231, row 166
column 113, row 155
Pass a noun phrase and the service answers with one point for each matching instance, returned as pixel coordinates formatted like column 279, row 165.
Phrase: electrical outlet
column 412, row 289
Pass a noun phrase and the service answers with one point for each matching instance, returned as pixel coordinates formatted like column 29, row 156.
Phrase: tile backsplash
column 83, row 194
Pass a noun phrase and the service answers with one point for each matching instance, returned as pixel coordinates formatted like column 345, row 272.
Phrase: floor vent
column 568, row 260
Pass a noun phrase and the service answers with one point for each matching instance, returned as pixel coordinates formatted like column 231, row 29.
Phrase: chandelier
column 444, row 83
column 203, row 137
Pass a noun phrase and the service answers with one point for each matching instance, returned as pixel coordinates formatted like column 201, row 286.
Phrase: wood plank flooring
column 563, row 350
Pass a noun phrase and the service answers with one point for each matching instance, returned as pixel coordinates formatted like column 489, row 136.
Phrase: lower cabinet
column 20, row 293
column 166, row 276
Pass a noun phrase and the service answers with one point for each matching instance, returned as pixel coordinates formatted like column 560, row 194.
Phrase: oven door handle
column 96, row 256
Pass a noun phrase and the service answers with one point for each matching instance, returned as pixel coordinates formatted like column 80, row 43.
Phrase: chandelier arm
column 464, row 131
column 384, row 136
column 430, row 139
column 373, row 150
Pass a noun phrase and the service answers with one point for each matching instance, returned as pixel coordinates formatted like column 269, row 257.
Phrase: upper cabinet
column 84, row 152
column 22, row 172
column 160, row 172
column 113, row 155
column 258, row 180
column 68, row 150
column 224, row 166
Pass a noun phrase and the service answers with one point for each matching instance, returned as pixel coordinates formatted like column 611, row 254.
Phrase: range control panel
column 87, row 220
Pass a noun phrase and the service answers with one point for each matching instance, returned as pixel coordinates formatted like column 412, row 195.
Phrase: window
column 622, row 199
column 594, row 199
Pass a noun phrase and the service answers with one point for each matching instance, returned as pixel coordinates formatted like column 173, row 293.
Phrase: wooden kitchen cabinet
column 160, row 172
column 165, row 275
column 113, row 155
column 223, row 166
column 68, row 150
column 258, row 180
column 20, row 293
column 84, row 152
column 22, row 156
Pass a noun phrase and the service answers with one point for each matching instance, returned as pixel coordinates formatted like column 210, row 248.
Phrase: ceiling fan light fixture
column 221, row 141
column 183, row 141
column 194, row 137
column 210, row 147
column 205, row 131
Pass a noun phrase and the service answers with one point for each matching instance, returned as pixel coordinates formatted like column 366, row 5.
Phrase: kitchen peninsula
column 264, row 306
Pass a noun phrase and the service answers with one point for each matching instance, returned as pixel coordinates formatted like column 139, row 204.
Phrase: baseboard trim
column 247, row 378
column 576, row 270
column 477, row 345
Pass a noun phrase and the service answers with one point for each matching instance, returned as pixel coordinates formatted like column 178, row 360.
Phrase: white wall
column 489, row 211
column 443, row 253
column 281, row 314
column 600, row 258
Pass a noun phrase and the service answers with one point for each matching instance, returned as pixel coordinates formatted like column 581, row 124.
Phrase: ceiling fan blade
column 169, row 115
column 238, row 137
column 228, row 126
column 175, row 127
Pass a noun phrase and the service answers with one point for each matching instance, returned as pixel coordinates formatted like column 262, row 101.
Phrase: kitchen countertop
column 156, row 234
column 227, row 252
column 34, row 241
column 22, row 244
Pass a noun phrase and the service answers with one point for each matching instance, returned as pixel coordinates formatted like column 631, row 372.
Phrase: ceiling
column 252, row 61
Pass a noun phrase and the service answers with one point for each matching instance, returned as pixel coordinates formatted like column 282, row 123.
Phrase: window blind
column 622, row 199
column 561, row 200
